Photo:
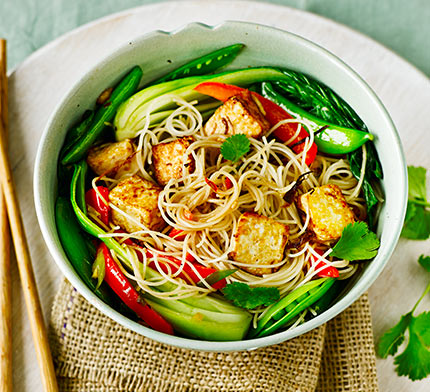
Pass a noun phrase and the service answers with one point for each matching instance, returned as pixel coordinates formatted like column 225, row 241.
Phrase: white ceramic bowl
column 160, row 52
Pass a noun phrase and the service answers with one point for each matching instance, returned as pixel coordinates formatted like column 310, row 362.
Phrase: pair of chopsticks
column 10, row 216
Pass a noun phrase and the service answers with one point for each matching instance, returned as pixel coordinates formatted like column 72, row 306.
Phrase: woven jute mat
column 92, row 353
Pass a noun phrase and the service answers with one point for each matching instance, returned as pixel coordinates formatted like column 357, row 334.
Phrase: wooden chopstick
column 34, row 309
column 5, row 277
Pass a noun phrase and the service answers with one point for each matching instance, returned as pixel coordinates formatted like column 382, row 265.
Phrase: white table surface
column 38, row 84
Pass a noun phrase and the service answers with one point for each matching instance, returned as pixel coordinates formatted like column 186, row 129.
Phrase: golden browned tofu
column 259, row 240
column 112, row 159
column 329, row 212
column 239, row 114
column 138, row 198
column 169, row 159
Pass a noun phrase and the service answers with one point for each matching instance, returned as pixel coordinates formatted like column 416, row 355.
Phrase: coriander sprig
column 414, row 361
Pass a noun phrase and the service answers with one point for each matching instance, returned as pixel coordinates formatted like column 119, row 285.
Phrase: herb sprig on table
column 414, row 361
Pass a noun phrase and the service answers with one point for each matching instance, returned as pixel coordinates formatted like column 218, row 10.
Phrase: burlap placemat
column 93, row 353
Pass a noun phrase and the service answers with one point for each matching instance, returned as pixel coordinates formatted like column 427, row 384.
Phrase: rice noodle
column 259, row 182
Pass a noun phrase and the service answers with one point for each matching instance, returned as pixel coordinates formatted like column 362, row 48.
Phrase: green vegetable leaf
column 250, row 298
column 417, row 222
column 373, row 173
column 216, row 276
column 424, row 262
column 417, row 183
column 321, row 101
column 420, row 326
column 356, row 243
column 414, row 362
column 393, row 338
column 235, row 146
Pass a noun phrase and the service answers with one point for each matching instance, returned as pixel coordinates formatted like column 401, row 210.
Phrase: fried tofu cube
column 259, row 240
column 169, row 159
column 239, row 114
column 138, row 198
column 329, row 212
column 112, row 159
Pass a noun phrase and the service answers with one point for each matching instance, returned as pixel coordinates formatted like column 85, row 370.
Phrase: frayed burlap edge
column 94, row 353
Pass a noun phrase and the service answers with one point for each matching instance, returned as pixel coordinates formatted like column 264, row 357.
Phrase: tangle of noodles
column 259, row 182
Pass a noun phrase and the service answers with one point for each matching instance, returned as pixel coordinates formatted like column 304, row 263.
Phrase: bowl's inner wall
column 159, row 53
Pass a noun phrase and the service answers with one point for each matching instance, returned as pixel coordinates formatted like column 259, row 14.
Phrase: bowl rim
column 372, row 272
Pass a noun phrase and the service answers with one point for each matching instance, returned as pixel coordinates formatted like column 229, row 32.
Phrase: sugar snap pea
column 77, row 131
column 204, row 64
column 334, row 139
column 330, row 296
column 64, row 173
column 76, row 247
column 290, row 306
column 125, row 89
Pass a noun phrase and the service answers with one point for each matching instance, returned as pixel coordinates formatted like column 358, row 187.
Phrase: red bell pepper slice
column 94, row 200
column 189, row 257
column 148, row 253
column 211, row 184
column 327, row 272
column 126, row 241
column 274, row 114
column 220, row 91
column 177, row 234
column 228, row 184
column 128, row 294
column 188, row 215
column 188, row 270
column 202, row 270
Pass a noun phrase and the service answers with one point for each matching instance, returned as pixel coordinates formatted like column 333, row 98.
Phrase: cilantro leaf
column 393, row 338
column 356, row 243
column 417, row 222
column 235, row 146
column 417, row 183
column 420, row 326
column 424, row 262
column 250, row 298
column 414, row 362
